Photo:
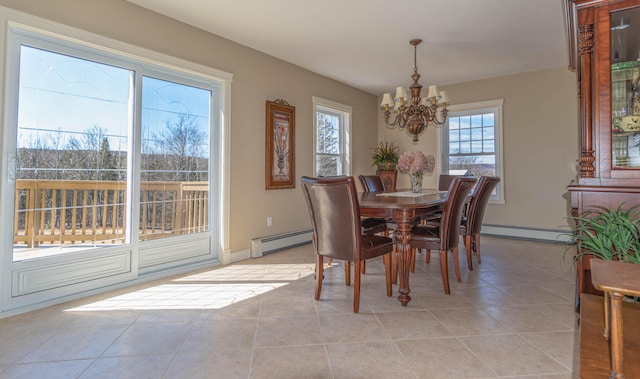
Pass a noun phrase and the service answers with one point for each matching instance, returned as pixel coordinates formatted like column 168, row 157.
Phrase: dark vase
column 389, row 178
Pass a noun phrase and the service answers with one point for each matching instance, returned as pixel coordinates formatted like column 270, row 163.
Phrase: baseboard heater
column 271, row 244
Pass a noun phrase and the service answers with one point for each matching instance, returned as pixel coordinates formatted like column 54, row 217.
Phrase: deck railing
column 81, row 211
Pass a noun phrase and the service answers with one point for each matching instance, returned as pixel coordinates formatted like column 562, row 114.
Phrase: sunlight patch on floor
column 213, row 289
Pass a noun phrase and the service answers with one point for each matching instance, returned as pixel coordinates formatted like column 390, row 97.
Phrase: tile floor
column 512, row 317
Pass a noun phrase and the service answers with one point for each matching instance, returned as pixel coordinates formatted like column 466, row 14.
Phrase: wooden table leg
column 617, row 358
column 403, row 255
column 403, row 261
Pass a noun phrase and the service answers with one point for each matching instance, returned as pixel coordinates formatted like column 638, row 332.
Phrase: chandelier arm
column 390, row 125
column 397, row 121
column 434, row 116
column 403, row 118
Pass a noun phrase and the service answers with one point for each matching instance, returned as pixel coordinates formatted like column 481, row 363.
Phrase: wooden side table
column 615, row 279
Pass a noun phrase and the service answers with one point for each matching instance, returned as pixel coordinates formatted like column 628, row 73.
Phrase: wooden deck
column 80, row 211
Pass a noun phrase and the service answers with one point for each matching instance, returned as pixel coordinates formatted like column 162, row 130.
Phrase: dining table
column 405, row 208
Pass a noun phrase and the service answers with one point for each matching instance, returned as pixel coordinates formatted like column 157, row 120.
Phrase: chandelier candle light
column 415, row 113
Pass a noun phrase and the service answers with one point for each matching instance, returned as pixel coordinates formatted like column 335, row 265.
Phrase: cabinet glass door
column 625, row 88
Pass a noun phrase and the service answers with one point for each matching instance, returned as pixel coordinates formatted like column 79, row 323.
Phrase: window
column 471, row 142
column 332, row 138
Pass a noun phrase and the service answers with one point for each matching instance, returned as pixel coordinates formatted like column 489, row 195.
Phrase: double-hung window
column 331, row 138
column 471, row 142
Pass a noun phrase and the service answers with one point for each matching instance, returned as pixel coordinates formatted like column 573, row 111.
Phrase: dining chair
column 335, row 219
column 370, row 225
column 371, row 183
column 472, row 222
column 445, row 236
column 444, row 180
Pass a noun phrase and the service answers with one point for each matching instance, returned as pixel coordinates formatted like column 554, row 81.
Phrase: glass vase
column 416, row 182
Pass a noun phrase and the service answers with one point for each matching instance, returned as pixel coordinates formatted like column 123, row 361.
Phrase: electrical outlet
column 269, row 221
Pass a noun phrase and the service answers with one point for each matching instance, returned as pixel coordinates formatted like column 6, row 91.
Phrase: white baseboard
column 549, row 235
column 240, row 256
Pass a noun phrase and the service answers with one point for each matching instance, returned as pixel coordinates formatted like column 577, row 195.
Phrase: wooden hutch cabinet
column 604, row 37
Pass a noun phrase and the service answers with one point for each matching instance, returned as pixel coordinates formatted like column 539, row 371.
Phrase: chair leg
column 456, row 261
column 347, row 273
column 467, row 247
column 476, row 246
column 319, row 275
column 363, row 267
column 356, row 287
column 412, row 266
column 387, row 272
column 427, row 256
column 394, row 266
column 444, row 270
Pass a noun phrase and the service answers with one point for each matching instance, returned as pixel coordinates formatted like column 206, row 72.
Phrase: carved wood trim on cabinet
column 585, row 49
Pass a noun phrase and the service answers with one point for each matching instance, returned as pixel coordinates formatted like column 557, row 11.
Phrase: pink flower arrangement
column 416, row 163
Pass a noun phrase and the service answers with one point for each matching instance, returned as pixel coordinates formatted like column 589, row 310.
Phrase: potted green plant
column 611, row 234
column 608, row 233
column 385, row 156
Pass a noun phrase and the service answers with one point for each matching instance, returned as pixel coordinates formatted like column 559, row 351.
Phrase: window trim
column 495, row 106
column 346, row 147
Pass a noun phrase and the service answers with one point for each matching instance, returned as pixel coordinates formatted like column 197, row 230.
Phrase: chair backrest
column 371, row 183
column 335, row 216
column 478, row 203
column 444, row 180
column 452, row 211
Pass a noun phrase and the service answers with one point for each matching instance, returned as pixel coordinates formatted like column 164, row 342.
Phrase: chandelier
column 415, row 113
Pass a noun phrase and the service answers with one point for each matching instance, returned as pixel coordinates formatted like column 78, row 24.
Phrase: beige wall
column 257, row 78
column 540, row 144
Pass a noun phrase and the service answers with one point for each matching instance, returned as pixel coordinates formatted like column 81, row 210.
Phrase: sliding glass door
column 114, row 165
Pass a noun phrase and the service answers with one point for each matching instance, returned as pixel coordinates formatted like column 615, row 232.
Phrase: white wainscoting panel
column 154, row 253
column 46, row 277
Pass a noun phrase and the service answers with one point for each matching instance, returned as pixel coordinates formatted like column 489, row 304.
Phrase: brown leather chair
column 371, row 183
column 370, row 225
column 335, row 219
column 444, row 180
column 444, row 237
column 471, row 224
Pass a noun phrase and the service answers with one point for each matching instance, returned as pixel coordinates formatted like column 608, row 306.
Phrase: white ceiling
column 365, row 43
